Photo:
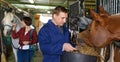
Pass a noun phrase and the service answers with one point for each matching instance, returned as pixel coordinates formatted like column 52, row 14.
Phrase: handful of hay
column 84, row 49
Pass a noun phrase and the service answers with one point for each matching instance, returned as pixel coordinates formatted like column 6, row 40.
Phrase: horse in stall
column 9, row 19
column 79, row 24
column 103, row 31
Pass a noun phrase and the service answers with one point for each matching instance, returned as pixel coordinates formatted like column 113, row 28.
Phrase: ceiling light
column 27, row 1
column 31, row 1
column 48, row 12
column 19, row 9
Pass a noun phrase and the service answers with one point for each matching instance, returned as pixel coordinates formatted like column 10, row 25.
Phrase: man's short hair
column 59, row 9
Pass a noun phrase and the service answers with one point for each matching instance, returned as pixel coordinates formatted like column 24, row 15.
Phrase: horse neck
column 114, row 21
column 18, row 21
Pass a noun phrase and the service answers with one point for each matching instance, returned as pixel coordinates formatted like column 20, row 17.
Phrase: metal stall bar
column 112, row 6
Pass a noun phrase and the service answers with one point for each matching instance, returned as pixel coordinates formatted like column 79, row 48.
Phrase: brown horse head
column 103, row 29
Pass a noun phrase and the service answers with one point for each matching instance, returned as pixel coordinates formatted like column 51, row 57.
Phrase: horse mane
column 115, row 14
column 18, row 21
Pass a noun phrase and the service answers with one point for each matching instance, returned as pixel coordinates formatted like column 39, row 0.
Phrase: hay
column 3, row 58
column 84, row 49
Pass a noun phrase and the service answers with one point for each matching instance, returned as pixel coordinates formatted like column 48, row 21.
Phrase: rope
column 8, row 25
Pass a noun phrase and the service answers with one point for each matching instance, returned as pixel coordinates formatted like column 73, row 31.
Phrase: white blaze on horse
column 8, row 21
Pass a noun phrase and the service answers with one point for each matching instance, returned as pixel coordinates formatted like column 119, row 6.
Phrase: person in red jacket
column 24, row 53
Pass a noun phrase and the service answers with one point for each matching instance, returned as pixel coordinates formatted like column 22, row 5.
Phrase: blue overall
column 51, row 41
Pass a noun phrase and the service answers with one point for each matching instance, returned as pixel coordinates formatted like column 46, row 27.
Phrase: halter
column 7, row 25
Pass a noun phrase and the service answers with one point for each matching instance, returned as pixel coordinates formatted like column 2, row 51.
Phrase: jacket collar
column 54, row 27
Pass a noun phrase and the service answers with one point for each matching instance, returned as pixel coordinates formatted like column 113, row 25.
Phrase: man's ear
column 54, row 15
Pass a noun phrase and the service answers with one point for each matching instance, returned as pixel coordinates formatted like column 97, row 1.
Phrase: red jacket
column 22, row 37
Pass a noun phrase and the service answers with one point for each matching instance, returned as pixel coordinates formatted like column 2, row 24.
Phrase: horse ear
column 94, row 15
column 97, row 17
column 103, row 11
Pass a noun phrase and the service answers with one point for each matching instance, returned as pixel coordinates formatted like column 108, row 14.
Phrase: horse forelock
column 8, row 18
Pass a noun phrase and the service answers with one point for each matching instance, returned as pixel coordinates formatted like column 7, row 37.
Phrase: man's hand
column 68, row 47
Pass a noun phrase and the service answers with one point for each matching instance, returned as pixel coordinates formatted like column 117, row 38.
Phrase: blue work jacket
column 51, row 41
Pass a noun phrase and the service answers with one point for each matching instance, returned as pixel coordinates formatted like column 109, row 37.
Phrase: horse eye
column 89, row 30
column 12, row 21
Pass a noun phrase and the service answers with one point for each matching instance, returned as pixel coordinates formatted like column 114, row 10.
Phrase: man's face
column 60, row 19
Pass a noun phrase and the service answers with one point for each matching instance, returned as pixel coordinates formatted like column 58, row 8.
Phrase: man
column 54, row 36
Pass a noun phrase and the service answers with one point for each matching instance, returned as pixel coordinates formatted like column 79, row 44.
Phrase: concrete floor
column 37, row 57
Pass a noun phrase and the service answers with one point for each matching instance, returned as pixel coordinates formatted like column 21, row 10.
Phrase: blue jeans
column 25, row 55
